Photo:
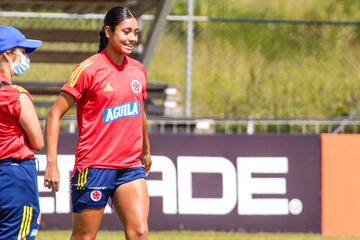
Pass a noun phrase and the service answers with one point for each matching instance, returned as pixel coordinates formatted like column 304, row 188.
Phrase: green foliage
column 267, row 70
column 247, row 69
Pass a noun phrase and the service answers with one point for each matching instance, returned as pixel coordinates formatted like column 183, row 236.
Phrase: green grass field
column 176, row 235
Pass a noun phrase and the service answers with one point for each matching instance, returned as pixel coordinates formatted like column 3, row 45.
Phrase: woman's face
column 125, row 36
column 18, row 52
column 14, row 55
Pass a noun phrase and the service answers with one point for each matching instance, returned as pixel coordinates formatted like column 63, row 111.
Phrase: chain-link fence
column 241, row 67
column 46, row 71
column 262, row 69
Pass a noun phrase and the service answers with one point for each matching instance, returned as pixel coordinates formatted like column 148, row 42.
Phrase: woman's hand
column 52, row 177
column 146, row 160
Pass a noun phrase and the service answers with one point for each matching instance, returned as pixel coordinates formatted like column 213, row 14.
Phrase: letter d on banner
column 207, row 206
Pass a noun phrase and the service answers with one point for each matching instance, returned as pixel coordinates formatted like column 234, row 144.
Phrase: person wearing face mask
column 20, row 135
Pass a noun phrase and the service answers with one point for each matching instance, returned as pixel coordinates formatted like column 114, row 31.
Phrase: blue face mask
column 21, row 67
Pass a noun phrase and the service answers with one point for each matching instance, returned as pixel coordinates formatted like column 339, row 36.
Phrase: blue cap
column 10, row 37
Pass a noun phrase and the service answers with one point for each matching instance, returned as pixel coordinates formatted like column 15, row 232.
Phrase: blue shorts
column 92, row 187
column 19, row 200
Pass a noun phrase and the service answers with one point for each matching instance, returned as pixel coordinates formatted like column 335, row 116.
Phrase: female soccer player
column 113, row 152
column 20, row 134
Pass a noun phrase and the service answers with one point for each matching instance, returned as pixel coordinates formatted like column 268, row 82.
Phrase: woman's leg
column 86, row 224
column 131, row 202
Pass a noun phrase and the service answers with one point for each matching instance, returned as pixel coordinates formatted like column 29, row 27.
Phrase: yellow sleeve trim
column 77, row 71
column 21, row 89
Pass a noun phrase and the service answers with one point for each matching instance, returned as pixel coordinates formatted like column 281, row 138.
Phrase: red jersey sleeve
column 22, row 90
column 14, row 103
column 78, row 81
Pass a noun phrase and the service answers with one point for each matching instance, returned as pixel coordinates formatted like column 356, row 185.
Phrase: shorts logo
column 95, row 195
column 33, row 233
column 130, row 109
column 136, row 86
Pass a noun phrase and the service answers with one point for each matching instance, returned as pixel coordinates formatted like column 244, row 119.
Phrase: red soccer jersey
column 110, row 101
column 13, row 141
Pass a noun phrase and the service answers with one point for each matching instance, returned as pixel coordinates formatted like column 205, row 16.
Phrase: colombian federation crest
column 95, row 195
column 136, row 86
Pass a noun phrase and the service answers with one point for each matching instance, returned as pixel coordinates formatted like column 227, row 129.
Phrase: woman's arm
column 30, row 123
column 145, row 156
column 58, row 109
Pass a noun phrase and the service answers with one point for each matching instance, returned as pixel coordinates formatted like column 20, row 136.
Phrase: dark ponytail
column 103, row 40
column 112, row 18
